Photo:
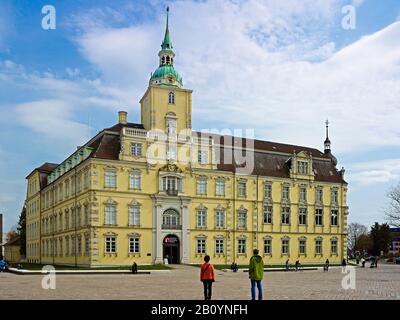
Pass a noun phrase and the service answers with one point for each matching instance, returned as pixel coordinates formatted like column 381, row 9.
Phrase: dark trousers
column 207, row 289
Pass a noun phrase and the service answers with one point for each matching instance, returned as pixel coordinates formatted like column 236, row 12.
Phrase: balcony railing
column 171, row 192
column 134, row 132
column 171, row 226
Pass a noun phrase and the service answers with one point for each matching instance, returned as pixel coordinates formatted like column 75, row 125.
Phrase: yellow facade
column 133, row 190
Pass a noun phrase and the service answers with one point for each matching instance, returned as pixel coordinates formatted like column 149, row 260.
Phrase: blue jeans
column 253, row 289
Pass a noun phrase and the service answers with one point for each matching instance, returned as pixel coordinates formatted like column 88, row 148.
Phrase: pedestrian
column 362, row 262
column 256, row 274
column 376, row 262
column 344, row 265
column 326, row 266
column 207, row 277
column 234, row 267
column 134, row 267
column 287, row 265
column 297, row 265
column 2, row 265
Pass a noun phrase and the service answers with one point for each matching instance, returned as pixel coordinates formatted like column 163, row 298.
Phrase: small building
column 395, row 241
column 12, row 250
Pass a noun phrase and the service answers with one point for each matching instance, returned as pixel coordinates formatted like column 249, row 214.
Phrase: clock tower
column 166, row 105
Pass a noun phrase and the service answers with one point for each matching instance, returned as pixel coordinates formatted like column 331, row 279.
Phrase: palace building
column 157, row 189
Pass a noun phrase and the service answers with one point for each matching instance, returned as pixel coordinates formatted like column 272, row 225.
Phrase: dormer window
column 171, row 98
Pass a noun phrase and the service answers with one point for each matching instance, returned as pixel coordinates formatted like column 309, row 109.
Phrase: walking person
column 256, row 274
column 326, row 266
column 207, row 277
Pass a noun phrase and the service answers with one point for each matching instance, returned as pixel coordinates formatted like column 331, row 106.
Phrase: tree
column 11, row 235
column 364, row 243
column 22, row 230
column 393, row 211
column 355, row 231
column 380, row 235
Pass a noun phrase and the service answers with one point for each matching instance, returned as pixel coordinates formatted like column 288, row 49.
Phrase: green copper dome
column 164, row 71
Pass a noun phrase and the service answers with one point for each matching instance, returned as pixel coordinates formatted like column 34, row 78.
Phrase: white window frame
column 134, row 215
column 219, row 217
column 136, row 149
column 110, row 214
column 201, row 187
column 242, row 246
column 134, row 245
column 267, row 214
column 135, row 180
column 201, row 246
column 110, row 178
column 201, row 218
column 303, row 213
column 110, row 244
column 220, row 187
column 219, row 246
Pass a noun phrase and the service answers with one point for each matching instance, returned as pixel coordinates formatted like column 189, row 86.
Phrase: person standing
column 326, row 266
column 256, row 274
column 207, row 277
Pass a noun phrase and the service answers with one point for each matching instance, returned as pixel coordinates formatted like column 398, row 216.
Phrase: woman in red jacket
column 207, row 277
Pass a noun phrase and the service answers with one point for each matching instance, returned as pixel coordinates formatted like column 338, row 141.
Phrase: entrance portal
column 171, row 249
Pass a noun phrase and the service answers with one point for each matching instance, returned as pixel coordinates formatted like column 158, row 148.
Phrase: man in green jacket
column 256, row 273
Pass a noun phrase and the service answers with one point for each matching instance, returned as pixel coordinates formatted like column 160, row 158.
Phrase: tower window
column 163, row 60
column 168, row 60
column 171, row 98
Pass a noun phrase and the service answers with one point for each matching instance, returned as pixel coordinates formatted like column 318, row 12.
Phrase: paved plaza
column 183, row 283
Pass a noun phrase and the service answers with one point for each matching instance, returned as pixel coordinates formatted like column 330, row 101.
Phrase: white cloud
column 375, row 172
column 265, row 65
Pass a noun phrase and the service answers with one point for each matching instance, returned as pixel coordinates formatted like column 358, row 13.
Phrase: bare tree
column 355, row 231
column 393, row 211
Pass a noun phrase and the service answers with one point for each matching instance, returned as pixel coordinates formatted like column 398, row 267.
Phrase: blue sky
column 280, row 67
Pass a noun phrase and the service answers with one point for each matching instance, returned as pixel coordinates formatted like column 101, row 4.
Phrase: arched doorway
column 171, row 249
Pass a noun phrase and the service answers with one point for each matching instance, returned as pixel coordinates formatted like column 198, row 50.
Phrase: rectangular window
column 110, row 214
column 136, row 149
column 267, row 191
column 302, row 167
column 220, row 219
column 334, row 247
column 267, row 246
column 110, row 179
column 86, row 180
column 242, row 189
column 319, row 195
column 134, row 216
column 73, row 246
column 285, row 246
column 334, row 217
column 219, row 246
column 79, row 246
column 267, row 214
column 201, row 246
column 303, row 194
column 318, row 217
column 73, row 218
column 87, row 239
column 242, row 219
column 86, row 214
column 318, row 246
column 111, row 244
column 242, row 246
column 66, row 246
column 79, row 216
column 202, row 156
column 303, row 216
column 134, row 180
column 171, row 151
column 61, row 246
column 285, row 216
column 79, row 183
column 201, row 219
column 134, row 245
column 201, row 186
column 302, row 246
column 285, row 192
column 334, row 196
column 220, row 187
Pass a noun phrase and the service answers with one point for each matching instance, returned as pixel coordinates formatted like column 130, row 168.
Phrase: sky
column 278, row 67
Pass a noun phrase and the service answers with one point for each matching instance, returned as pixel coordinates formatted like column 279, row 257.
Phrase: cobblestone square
column 183, row 283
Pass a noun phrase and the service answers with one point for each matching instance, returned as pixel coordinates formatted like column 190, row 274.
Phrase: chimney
column 123, row 117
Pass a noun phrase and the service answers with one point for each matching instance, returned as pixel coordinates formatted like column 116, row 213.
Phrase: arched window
column 162, row 60
column 171, row 219
column 171, row 98
column 168, row 60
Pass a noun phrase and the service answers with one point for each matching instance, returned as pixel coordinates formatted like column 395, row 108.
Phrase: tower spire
column 327, row 143
column 167, row 44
